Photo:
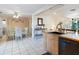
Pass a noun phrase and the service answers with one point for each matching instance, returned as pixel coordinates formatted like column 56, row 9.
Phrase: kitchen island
column 69, row 44
column 74, row 37
column 63, row 44
column 52, row 42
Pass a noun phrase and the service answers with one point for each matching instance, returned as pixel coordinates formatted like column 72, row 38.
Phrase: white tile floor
column 27, row 46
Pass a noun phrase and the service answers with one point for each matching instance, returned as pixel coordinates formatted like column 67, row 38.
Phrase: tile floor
column 26, row 46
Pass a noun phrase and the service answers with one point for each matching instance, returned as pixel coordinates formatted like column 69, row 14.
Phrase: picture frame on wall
column 40, row 21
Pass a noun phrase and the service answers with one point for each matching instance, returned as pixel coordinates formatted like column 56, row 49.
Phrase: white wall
column 51, row 19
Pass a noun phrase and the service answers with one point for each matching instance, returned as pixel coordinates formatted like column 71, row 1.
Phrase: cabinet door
column 55, row 44
column 55, row 47
column 50, row 44
column 52, row 48
column 68, row 47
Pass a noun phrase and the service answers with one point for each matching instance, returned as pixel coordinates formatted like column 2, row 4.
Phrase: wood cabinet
column 68, row 47
column 52, row 43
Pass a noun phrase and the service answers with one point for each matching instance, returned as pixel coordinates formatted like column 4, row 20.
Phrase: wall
column 52, row 17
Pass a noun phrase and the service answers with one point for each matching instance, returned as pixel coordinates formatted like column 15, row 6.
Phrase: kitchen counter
column 69, row 44
column 52, row 42
column 74, row 36
column 62, row 44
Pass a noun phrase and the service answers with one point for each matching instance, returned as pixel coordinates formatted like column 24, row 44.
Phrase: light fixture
column 4, row 22
column 16, row 15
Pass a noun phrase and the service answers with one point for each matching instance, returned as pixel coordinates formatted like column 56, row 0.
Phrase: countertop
column 74, row 36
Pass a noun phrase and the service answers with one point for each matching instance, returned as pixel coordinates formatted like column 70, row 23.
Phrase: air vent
column 0, row 12
column 72, row 9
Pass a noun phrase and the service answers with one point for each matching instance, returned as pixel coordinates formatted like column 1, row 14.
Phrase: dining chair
column 18, row 33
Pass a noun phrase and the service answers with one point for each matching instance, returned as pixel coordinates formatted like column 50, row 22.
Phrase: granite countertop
column 71, row 36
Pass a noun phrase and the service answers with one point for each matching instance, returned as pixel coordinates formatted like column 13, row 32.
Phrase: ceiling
column 24, row 9
column 71, row 10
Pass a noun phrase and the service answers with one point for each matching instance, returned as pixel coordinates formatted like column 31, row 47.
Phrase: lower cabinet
column 68, row 47
column 61, row 46
column 52, row 44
